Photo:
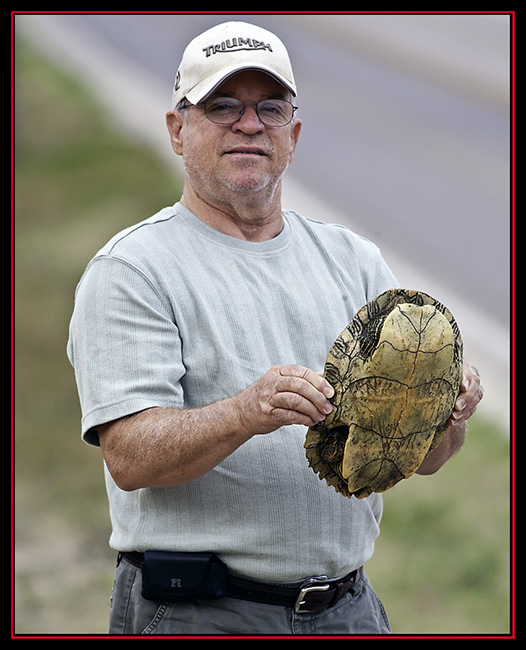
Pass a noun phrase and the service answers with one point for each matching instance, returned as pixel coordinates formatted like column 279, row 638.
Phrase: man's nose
column 249, row 121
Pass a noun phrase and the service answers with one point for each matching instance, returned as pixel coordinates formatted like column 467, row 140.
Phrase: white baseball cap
column 218, row 53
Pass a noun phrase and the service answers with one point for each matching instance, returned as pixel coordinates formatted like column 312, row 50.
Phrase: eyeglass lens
column 227, row 110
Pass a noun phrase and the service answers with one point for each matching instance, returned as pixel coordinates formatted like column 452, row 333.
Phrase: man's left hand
column 471, row 392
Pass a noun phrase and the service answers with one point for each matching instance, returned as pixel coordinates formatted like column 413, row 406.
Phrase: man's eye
column 269, row 109
column 218, row 106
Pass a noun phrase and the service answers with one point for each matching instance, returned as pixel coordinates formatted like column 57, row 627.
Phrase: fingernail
column 328, row 391
column 328, row 407
column 460, row 404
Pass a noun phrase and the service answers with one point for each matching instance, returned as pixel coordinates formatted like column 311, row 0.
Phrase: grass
column 441, row 562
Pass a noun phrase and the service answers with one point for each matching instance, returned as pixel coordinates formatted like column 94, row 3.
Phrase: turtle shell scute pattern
column 396, row 371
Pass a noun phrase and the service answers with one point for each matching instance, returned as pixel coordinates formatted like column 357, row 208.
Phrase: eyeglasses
column 228, row 110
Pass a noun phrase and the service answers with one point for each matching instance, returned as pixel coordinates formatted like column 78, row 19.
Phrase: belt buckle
column 301, row 600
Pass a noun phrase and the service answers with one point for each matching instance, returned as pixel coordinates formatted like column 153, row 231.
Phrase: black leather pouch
column 182, row 576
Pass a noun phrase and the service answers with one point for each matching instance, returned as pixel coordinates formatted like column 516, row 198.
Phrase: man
column 198, row 337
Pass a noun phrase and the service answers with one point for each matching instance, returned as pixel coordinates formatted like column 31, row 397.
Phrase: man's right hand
column 284, row 395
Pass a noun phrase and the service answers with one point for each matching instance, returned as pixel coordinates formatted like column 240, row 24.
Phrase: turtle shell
column 396, row 371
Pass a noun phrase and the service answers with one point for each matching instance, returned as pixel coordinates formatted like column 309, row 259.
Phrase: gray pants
column 358, row 612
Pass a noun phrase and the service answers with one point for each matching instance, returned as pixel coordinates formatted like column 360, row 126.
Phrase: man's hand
column 285, row 394
column 471, row 392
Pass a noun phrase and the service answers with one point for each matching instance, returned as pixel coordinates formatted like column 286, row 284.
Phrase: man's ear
column 174, row 122
column 294, row 135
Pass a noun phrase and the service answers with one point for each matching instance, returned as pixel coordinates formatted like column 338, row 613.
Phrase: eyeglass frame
column 184, row 104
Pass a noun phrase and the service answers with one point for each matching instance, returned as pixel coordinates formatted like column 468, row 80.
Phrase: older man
column 197, row 340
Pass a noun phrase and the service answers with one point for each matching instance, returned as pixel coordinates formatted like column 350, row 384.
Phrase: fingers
column 285, row 394
column 471, row 392
column 299, row 396
column 307, row 379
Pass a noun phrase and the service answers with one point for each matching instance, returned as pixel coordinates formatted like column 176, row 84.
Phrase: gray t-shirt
column 171, row 313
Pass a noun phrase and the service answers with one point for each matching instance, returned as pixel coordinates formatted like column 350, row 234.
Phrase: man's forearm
column 448, row 447
column 471, row 393
column 161, row 447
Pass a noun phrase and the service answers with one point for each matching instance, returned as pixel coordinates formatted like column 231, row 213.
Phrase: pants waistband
column 313, row 595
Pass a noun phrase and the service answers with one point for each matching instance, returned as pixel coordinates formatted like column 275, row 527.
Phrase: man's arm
column 161, row 447
column 471, row 393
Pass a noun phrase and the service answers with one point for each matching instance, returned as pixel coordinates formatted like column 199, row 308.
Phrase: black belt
column 314, row 595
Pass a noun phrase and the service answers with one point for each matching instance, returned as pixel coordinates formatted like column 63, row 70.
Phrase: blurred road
column 405, row 139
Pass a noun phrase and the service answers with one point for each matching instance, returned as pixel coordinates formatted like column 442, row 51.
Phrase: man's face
column 247, row 156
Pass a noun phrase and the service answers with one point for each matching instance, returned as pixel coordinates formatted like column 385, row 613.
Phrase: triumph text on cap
column 222, row 51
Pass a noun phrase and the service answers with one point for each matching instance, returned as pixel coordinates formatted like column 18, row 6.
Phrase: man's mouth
column 246, row 151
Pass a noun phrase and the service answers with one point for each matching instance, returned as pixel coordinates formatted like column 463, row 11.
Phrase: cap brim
column 206, row 87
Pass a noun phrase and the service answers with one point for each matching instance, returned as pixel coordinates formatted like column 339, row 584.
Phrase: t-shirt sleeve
column 124, row 345
column 375, row 275
column 378, row 275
